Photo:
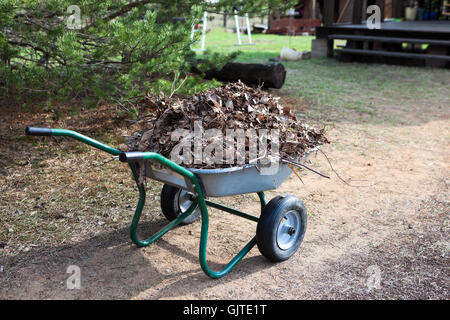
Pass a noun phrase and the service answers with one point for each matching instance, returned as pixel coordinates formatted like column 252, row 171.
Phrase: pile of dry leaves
column 233, row 106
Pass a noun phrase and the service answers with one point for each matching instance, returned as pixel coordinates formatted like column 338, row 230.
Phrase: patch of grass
column 330, row 85
column 265, row 46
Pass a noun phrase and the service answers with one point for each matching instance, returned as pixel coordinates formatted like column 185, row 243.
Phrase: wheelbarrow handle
column 131, row 156
column 36, row 131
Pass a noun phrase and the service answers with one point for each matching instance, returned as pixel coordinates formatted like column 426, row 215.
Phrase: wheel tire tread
column 168, row 194
column 265, row 234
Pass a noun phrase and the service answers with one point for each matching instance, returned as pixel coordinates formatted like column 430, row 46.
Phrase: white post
column 205, row 19
column 236, row 20
column 192, row 32
column 202, row 42
column 248, row 29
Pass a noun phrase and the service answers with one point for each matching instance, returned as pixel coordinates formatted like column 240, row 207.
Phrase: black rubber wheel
column 281, row 228
column 175, row 201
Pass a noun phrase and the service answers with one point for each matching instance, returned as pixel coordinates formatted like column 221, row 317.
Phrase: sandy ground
column 386, row 237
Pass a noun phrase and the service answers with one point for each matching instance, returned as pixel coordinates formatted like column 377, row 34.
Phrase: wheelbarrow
column 280, row 227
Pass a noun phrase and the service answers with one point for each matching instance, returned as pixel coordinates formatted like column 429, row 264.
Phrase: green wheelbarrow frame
column 131, row 158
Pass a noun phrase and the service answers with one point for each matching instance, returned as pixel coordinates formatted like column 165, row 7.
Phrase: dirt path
column 389, row 240
column 397, row 228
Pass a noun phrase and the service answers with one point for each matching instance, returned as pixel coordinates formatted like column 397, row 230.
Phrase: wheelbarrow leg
column 138, row 212
column 262, row 199
column 132, row 158
column 204, row 240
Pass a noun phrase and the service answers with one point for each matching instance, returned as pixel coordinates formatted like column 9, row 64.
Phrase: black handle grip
column 35, row 131
column 131, row 156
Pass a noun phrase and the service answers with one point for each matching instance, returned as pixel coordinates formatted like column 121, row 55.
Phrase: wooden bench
column 398, row 54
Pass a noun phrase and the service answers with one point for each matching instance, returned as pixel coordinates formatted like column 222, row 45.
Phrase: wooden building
column 413, row 42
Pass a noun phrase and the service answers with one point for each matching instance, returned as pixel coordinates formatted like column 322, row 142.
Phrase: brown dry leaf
column 226, row 107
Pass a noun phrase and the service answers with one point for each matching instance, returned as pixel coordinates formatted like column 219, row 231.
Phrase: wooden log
column 269, row 75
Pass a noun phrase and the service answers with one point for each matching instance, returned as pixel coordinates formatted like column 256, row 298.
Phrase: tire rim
column 184, row 201
column 288, row 230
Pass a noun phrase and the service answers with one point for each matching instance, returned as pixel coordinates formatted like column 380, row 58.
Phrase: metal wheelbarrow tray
column 280, row 227
column 247, row 178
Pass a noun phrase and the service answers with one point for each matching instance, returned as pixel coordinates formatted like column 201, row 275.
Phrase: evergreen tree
column 101, row 49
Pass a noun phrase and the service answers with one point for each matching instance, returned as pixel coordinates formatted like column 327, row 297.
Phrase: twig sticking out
column 295, row 171
column 109, row 160
column 306, row 167
column 340, row 178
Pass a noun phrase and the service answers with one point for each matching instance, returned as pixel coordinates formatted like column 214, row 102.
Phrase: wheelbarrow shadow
column 111, row 267
column 191, row 283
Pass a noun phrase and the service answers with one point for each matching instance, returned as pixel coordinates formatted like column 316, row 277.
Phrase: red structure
column 305, row 19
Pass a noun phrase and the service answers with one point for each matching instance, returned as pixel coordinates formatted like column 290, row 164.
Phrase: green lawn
column 264, row 48
column 339, row 86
